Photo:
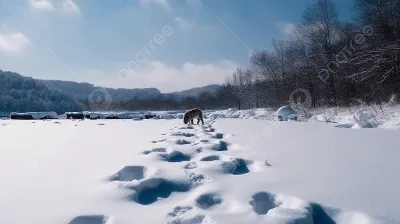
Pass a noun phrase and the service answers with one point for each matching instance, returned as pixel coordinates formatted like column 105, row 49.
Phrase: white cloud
column 288, row 29
column 13, row 42
column 165, row 77
column 183, row 23
column 163, row 3
column 44, row 5
column 68, row 6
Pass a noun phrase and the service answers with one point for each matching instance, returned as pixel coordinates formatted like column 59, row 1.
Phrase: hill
column 81, row 91
column 22, row 94
column 195, row 92
column 25, row 94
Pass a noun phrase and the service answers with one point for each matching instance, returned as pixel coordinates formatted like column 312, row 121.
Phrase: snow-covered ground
column 227, row 171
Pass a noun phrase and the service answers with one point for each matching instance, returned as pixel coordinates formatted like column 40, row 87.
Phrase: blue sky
column 167, row 44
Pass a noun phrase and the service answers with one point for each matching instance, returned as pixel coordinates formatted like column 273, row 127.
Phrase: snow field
column 227, row 171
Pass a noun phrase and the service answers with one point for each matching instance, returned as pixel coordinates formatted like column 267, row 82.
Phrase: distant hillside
column 81, row 91
column 195, row 92
column 23, row 94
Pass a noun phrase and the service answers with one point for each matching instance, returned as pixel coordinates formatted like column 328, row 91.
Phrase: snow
column 227, row 171
column 286, row 113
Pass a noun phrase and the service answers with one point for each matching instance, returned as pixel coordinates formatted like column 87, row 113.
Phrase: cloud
column 13, row 42
column 183, row 23
column 166, row 77
column 68, row 6
column 162, row 3
column 44, row 5
column 288, row 29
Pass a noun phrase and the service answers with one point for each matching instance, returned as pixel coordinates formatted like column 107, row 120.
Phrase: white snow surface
column 227, row 171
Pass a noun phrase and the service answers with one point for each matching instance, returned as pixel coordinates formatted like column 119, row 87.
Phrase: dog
column 193, row 114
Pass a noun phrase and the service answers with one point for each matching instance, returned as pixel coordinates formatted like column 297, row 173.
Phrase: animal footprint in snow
column 210, row 158
column 218, row 135
column 159, row 141
column 190, row 166
column 152, row 190
column 220, row 146
column 89, row 219
column 162, row 150
column 197, row 179
column 206, row 201
column 284, row 209
column 186, row 128
column 236, row 167
column 183, row 134
column 182, row 142
column 130, row 173
column 262, row 202
column 184, row 214
column 199, row 149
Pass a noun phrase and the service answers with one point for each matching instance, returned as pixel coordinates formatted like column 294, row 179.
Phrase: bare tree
column 320, row 24
column 267, row 65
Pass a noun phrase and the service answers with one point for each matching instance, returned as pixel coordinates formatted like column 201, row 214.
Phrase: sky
column 167, row 44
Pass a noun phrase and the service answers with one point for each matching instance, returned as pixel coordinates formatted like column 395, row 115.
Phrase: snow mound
column 259, row 113
column 365, row 119
column 286, row 113
column 175, row 157
column 318, row 118
column 391, row 124
column 282, row 209
column 130, row 173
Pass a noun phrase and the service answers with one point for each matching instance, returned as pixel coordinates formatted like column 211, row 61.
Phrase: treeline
column 204, row 100
column 336, row 62
column 23, row 94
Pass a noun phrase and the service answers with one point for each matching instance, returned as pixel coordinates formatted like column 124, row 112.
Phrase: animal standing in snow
column 193, row 114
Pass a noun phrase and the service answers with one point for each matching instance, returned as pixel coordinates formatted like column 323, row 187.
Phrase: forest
column 335, row 63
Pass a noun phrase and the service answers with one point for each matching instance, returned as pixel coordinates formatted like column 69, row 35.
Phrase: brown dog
column 193, row 114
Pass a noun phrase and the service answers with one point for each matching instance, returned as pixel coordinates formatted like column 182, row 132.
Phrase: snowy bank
column 33, row 116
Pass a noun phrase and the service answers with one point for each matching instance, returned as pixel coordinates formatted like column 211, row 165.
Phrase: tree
column 320, row 25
